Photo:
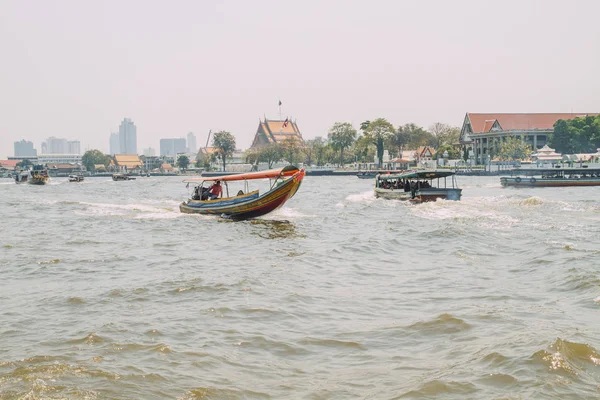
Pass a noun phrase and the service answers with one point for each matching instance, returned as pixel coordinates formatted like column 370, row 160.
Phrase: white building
column 59, row 158
column 127, row 137
column 114, row 144
column 191, row 143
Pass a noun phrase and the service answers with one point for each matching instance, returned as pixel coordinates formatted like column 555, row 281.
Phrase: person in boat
column 215, row 190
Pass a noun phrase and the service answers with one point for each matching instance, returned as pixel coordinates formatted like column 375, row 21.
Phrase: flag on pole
column 285, row 123
column 279, row 102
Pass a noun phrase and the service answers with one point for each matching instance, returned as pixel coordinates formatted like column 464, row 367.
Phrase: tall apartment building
column 114, row 144
column 127, row 137
column 24, row 149
column 191, row 143
column 54, row 145
column 170, row 147
column 73, row 147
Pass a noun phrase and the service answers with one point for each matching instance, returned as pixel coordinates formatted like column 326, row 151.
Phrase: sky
column 74, row 69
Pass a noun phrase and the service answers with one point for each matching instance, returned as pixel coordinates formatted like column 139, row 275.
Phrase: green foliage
column 341, row 136
column 183, row 162
column 444, row 134
column 93, row 157
column 270, row 154
column 514, row 148
column 363, row 149
column 291, row 150
column 23, row 164
column 316, row 151
column 453, row 153
column 224, row 142
column 380, row 131
column 578, row 135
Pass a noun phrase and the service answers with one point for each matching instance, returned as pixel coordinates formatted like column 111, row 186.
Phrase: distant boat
column 418, row 186
column 285, row 182
column 75, row 178
column 552, row 177
column 122, row 177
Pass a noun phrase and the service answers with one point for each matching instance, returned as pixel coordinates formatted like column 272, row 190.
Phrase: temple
column 276, row 131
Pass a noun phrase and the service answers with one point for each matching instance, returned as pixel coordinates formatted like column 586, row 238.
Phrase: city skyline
column 210, row 66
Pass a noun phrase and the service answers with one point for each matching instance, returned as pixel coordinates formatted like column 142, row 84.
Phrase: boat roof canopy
column 425, row 174
column 272, row 173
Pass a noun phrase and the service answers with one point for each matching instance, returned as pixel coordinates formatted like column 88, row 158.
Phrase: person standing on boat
column 215, row 190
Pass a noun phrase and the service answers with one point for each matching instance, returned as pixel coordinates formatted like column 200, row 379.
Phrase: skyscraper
column 114, row 144
column 191, row 143
column 127, row 137
column 54, row 145
column 24, row 149
column 171, row 147
column 73, row 147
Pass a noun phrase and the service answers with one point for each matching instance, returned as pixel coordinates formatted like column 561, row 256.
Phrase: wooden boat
column 418, row 186
column 75, row 178
column 122, row 177
column 285, row 182
column 552, row 177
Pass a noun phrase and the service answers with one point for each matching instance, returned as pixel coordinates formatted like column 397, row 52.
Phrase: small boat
column 418, row 186
column 552, row 177
column 75, row 178
column 122, row 177
column 285, row 182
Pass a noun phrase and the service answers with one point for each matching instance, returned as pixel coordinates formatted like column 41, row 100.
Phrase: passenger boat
column 285, row 182
column 36, row 176
column 418, row 186
column 552, row 177
column 122, row 177
column 370, row 174
column 75, row 178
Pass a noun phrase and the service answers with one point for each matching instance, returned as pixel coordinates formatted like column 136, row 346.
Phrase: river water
column 108, row 292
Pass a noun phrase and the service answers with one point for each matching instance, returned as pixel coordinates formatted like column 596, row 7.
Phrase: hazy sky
column 75, row 69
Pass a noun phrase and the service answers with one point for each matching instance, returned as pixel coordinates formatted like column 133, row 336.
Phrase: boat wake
column 138, row 211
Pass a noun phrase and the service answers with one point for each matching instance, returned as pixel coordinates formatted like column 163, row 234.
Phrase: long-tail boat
column 284, row 183
column 418, row 186
column 552, row 177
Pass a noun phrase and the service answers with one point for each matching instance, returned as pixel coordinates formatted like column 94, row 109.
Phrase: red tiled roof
column 520, row 121
column 9, row 163
column 488, row 125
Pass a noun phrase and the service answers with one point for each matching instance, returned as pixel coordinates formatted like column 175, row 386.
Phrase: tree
column 224, row 142
column 23, row 164
column 444, row 134
column 341, row 135
column 93, row 157
column 290, row 150
column 270, row 154
column 514, row 148
column 379, row 131
column 316, row 150
column 452, row 152
column 183, row 162
column 363, row 149
column 578, row 135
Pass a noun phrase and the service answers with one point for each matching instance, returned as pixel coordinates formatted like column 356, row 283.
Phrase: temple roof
column 481, row 123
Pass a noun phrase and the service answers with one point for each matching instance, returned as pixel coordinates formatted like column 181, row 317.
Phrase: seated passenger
column 215, row 190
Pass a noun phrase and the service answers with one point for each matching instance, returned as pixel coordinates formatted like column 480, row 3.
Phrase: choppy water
column 108, row 292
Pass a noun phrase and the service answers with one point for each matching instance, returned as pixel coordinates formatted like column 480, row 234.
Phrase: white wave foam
column 365, row 197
